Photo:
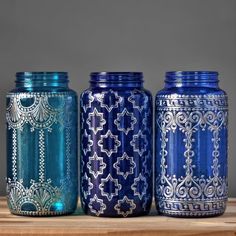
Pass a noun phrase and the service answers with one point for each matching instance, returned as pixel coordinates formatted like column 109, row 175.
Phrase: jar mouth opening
column 41, row 75
column 193, row 76
column 116, row 77
column 192, row 73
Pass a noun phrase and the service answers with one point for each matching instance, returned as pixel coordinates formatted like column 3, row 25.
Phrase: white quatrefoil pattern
column 116, row 152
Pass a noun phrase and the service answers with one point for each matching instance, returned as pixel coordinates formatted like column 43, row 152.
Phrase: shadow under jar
column 191, row 145
column 116, row 145
column 42, row 176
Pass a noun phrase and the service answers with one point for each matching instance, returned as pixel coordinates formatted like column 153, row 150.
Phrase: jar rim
column 41, row 79
column 191, row 79
column 191, row 76
column 116, row 76
column 191, row 73
column 40, row 73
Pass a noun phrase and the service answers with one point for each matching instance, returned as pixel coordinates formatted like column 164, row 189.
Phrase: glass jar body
column 116, row 151
column 42, row 150
column 191, row 151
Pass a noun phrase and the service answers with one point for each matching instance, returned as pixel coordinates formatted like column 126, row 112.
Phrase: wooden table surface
column 80, row 224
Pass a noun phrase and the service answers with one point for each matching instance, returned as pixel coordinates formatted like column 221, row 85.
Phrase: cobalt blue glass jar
column 116, row 145
column 191, row 145
column 42, row 176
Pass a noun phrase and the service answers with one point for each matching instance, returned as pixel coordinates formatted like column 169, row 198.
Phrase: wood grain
column 80, row 224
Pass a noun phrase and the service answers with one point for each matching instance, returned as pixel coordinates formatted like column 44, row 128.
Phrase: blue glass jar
column 42, row 175
column 191, row 145
column 116, row 145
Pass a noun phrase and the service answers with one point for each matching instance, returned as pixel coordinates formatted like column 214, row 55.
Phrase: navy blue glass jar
column 116, row 145
column 191, row 145
column 42, row 145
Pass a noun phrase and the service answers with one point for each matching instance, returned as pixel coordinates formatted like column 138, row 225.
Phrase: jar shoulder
column 197, row 98
column 49, row 91
column 197, row 91
column 123, row 92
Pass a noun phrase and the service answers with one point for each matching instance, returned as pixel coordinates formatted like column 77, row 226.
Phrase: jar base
column 118, row 216
column 190, row 214
column 41, row 214
column 191, row 208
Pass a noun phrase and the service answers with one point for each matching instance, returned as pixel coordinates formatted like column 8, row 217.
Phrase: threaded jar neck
column 41, row 79
column 191, row 79
column 116, row 79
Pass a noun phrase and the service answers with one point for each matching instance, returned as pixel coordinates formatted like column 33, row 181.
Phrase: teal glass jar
column 42, row 164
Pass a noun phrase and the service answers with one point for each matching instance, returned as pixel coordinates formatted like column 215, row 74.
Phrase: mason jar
column 116, row 145
column 42, row 164
column 191, row 145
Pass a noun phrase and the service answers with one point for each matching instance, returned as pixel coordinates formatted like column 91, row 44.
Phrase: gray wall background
column 153, row 36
